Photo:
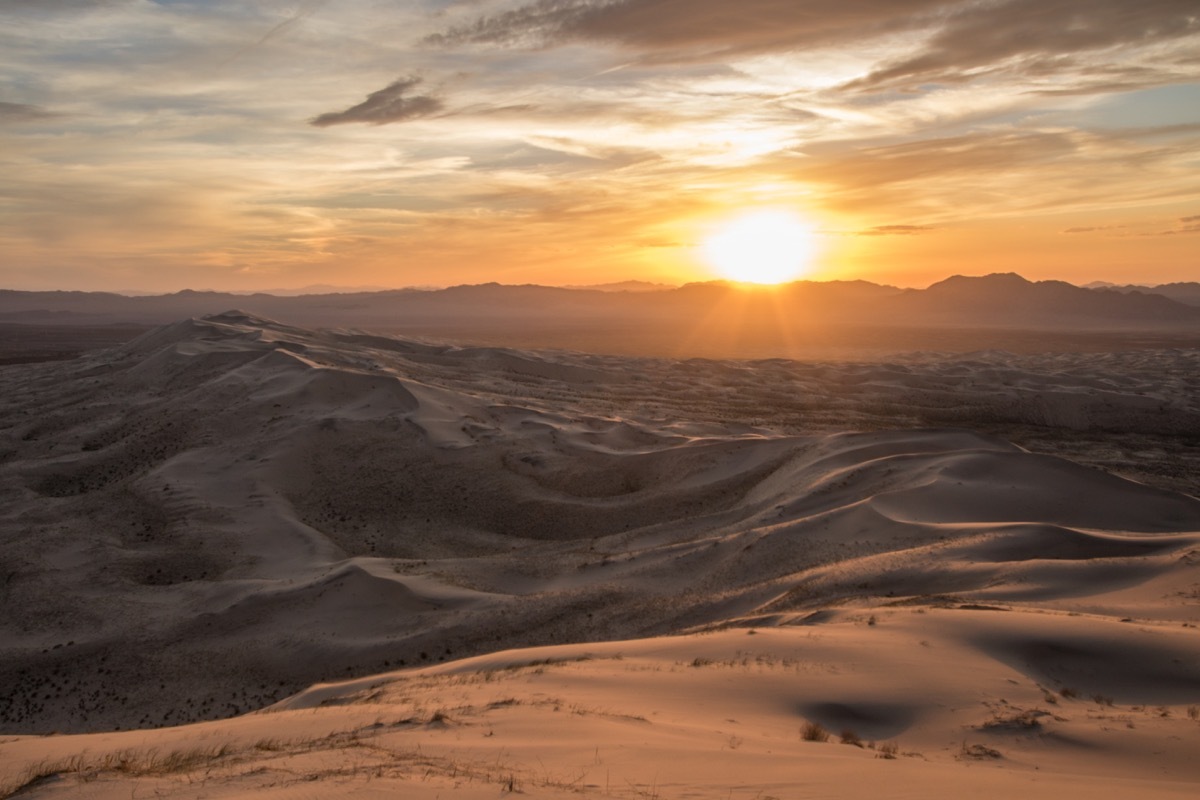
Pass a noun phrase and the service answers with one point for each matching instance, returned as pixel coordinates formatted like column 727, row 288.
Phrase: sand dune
column 924, row 703
column 213, row 517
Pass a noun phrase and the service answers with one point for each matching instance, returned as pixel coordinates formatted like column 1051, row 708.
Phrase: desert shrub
column 813, row 732
column 850, row 737
column 888, row 750
column 978, row 751
column 1020, row 721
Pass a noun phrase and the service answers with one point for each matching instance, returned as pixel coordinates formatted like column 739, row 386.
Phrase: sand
column 200, row 524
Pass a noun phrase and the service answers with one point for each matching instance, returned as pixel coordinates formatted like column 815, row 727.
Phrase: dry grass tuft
column 1029, row 720
column 850, row 737
column 137, row 763
column 978, row 751
column 813, row 732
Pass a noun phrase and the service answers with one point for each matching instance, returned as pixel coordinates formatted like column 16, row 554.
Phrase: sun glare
column 769, row 246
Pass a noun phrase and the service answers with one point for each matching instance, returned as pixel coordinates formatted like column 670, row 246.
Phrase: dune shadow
column 870, row 720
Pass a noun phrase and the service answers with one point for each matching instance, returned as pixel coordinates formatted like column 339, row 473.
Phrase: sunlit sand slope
column 227, row 510
column 908, row 703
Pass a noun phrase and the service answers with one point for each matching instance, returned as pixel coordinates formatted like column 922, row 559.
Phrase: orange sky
column 163, row 145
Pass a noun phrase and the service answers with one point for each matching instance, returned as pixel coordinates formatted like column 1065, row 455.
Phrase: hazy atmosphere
column 157, row 146
column 624, row 399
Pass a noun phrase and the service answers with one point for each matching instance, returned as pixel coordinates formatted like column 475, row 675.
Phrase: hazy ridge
column 1000, row 300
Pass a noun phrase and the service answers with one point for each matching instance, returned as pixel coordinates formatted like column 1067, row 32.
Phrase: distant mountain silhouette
column 1184, row 292
column 625, row 286
column 1009, row 299
column 991, row 301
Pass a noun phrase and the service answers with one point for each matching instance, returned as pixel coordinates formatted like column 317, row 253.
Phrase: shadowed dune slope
column 226, row 510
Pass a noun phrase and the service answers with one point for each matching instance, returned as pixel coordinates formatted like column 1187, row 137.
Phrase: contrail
column 306, row 9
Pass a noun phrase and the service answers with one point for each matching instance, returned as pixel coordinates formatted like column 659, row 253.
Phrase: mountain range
column 716, row 319
column 1183, row 292
column 1002, row 299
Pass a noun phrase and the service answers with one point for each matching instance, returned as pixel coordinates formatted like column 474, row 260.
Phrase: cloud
column 56, row 6
column 1095, row 228
column 937, row 158
column 945, row 41
column 1043, row 35
column 384, row 106
column 1186, row 225
column 989, row 174
column 667, row 30
column 20, row 112
column 896, row 230
column 305, row 10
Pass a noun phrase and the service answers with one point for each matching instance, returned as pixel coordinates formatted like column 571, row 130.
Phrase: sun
column 767, row 246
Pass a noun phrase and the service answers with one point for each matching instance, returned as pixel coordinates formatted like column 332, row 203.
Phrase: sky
column 157, row 145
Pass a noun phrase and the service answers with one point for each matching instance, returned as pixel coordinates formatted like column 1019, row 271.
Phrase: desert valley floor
column 246, row 559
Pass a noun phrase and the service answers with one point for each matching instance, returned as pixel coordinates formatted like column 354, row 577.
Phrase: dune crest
column 227, row 510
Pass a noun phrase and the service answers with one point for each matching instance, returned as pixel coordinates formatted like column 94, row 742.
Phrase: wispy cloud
column 22, row 112
column 1190, row 224
column 306, row 8
column 384, row 106
column 896, row 230
column 1034, row 37
column 516, row 139
column 947, row 41
column 1095, row 228
column 667, row 30
column 57, row 6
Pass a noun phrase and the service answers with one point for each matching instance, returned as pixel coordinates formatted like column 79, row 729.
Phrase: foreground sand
column 212, row 518
column 996, row 703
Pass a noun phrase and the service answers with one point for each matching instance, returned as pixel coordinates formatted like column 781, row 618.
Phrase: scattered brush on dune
column 134, row 763
column 636, row 718
column 227, row 510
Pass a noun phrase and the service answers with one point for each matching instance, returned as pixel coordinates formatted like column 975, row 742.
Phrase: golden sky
column 236, row 145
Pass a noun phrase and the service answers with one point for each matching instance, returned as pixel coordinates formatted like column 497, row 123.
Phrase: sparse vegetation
column 1017, row 721
column 978, row 751
column 850, row 737
column 135, row 763
column 72, row 676
column 814, row 732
